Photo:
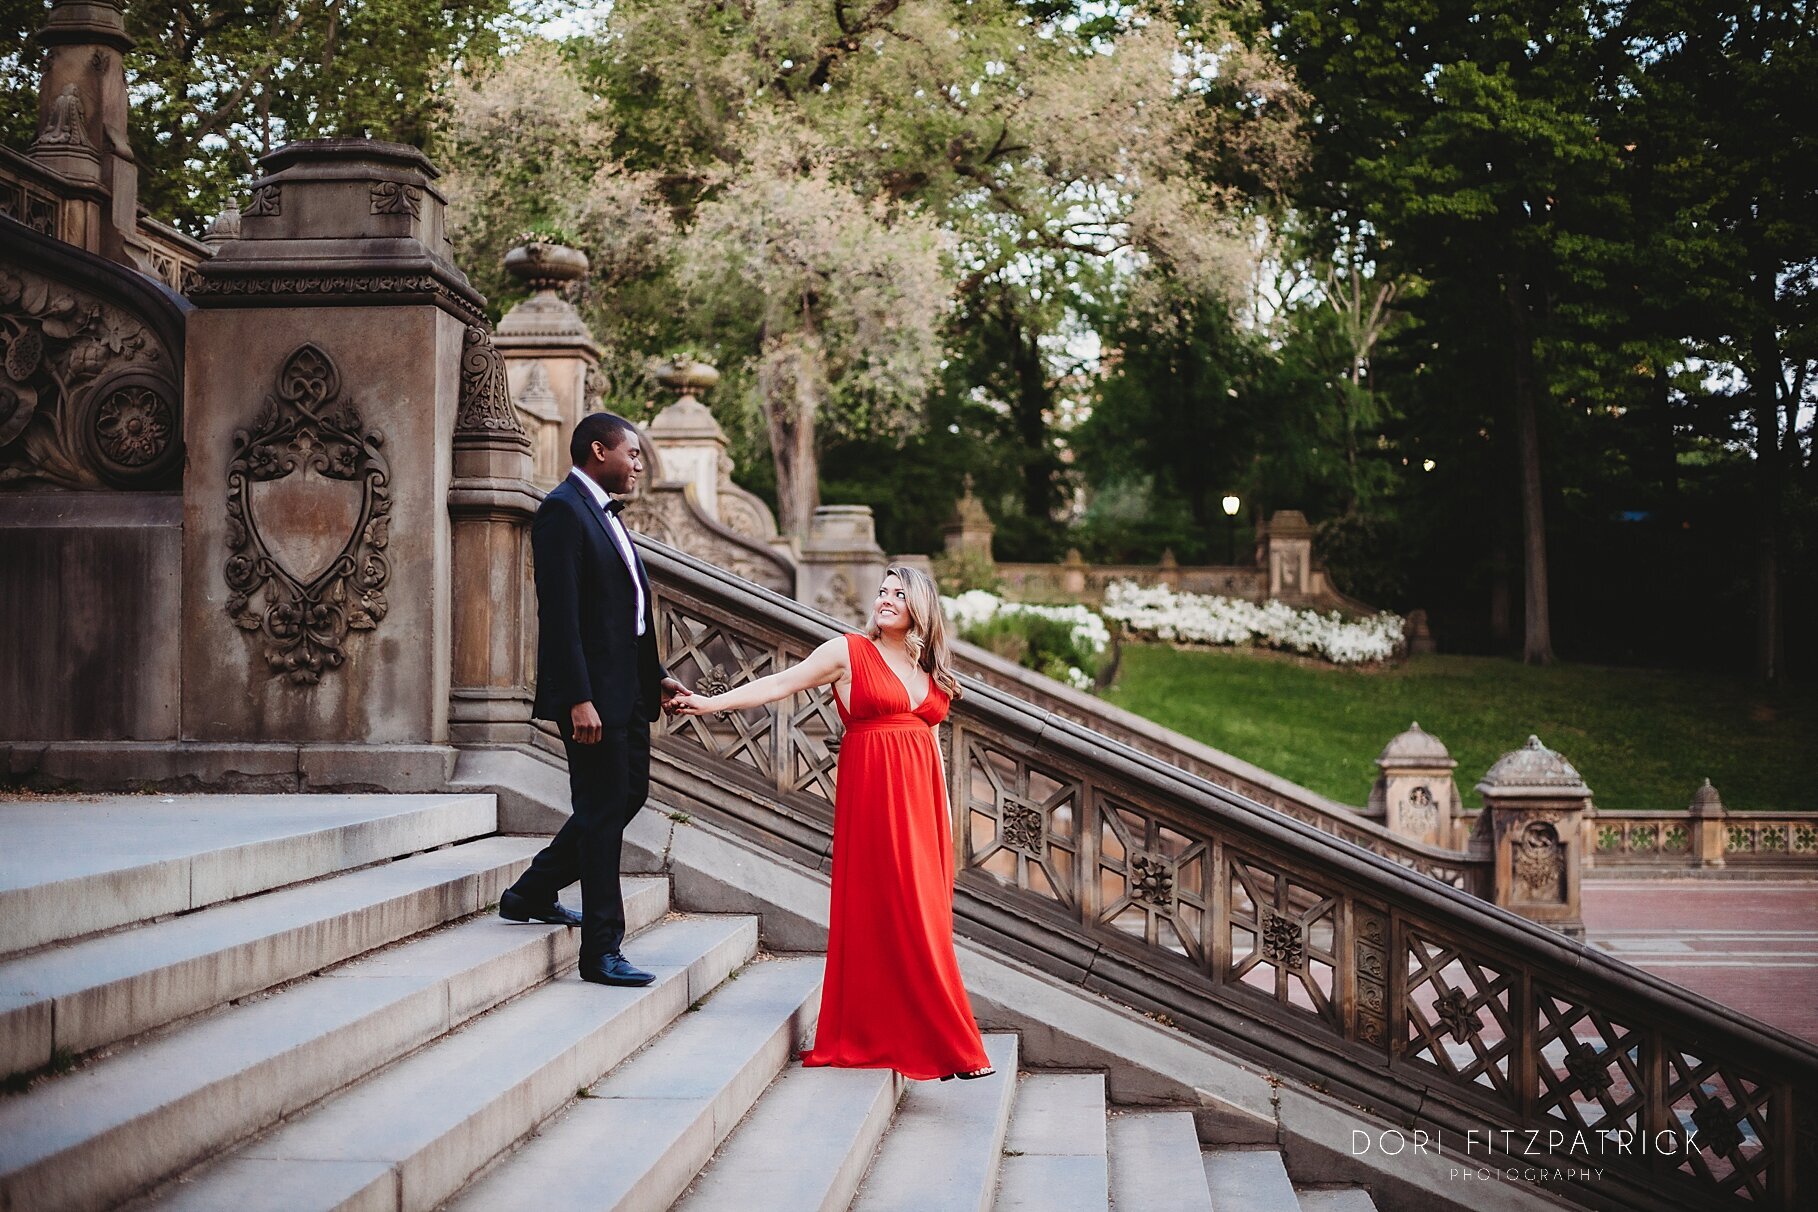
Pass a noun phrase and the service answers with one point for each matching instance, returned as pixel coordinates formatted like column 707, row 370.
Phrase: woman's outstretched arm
column 824, row 666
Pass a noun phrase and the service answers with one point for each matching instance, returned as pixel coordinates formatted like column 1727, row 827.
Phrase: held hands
column 672, row 690
column 689, row 703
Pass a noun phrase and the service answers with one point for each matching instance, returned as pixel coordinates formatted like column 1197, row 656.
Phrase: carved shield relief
column 308, row 505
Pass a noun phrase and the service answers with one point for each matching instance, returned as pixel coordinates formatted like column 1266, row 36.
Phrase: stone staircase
column 298, row 1002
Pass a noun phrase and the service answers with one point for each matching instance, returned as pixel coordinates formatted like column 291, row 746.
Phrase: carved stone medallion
column 308, row 507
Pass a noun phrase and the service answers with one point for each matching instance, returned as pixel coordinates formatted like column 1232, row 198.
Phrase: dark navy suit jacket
column 588, row 649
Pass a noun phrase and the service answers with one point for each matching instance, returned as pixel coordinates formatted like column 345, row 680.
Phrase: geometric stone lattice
column 1283, row 937
column 1724, row 1113
column 1587, row 1063
column 1152, row 880
column 1459, row 1020
column 1019, row 821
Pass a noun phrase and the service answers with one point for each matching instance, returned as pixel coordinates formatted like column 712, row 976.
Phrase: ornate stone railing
column 1314, row 957
column 1759, row 842
column 1455, row 867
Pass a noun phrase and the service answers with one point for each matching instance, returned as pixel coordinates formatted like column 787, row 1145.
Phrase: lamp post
column 1231, row 504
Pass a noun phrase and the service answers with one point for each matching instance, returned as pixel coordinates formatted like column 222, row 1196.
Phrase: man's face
column 617, row 469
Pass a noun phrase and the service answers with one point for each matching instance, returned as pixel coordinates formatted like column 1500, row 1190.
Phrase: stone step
column 667, row 1109
column 1248, row 1180
column 804, row 1147
column 943, row 1152
column 74, row 867
column 1155, row 1162
column 81, row 996
column 104, row 1132
column 412, row 1136
column 1054, row 1155
column 1334, row 1199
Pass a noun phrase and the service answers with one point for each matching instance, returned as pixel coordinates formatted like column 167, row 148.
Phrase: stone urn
column 541, row 265
column 685, row 377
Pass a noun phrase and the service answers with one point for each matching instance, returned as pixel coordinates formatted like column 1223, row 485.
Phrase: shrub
column 1061, row 642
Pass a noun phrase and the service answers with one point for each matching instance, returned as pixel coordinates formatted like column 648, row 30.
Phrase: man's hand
column 671, row 691
column 585, row 723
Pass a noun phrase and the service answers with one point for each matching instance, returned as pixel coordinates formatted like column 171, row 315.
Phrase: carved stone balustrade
column 1309, row 956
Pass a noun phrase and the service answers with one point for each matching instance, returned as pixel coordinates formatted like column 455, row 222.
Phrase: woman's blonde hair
column 927, row 638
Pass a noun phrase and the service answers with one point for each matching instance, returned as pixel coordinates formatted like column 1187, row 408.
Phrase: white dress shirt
column 621, row 538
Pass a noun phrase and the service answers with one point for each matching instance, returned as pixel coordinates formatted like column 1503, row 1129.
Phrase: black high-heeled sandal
column 972, row 1076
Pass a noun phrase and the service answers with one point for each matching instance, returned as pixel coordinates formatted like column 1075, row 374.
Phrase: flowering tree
column 844, row 294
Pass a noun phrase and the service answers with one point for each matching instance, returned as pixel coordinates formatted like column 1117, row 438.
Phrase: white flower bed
column 1205, row 619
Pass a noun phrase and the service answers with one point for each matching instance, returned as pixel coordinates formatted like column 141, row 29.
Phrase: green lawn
column 1642, row 738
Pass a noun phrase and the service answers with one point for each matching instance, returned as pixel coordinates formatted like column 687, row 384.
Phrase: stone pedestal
column 968, row 532
column 1535, row 807
column 842, row 564
column 1415, row 795
column 1288, row 554
column 1707, row 826
column 324, row 370
column 690, row 442
column 549, row 353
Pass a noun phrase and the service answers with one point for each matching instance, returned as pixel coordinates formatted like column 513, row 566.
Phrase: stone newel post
column 1533, row 825
column 549, row 352
column 324, row 373
column 841, row 563
column 1415, row 795
column 490, row 504
column 1707, row 826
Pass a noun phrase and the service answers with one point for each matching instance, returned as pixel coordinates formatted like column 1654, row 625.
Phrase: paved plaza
column 1750, row 944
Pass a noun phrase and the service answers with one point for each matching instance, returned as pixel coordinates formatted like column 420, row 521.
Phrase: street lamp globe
column 1231, row 503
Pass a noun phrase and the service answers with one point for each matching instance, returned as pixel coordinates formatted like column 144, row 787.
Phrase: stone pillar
column 1533, row 824
column 324, row 368
column 82, row 112
column 841, row 563
column 1073, row 573
column 1167, row 573
column 490, row 506
column 690, row 443
column 549, row 353
column 1415, row 795
column 968, row 532
column 1707, row 826
column 1288, row 554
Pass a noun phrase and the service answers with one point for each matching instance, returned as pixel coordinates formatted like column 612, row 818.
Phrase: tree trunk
column 1029, row 409
column 1770, row 629
column 789, row 385
column 1537, row 631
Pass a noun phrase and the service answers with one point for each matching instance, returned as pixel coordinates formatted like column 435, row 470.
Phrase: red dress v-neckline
column 912, row 707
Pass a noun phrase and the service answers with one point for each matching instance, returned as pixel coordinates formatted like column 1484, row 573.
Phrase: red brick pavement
column 1750, row 944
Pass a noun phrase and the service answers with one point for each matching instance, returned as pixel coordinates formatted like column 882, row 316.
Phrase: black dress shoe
column 514, row 908
column 614, row 969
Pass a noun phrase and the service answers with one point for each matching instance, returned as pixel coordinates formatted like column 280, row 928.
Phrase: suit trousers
column 608, row 782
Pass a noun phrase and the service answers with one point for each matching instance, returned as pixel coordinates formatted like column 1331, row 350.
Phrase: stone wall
column 92, row 636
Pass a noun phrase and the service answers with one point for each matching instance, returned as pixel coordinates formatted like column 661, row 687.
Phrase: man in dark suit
column 600, row 680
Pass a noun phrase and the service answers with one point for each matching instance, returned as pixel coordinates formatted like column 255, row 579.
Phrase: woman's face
column 890, row 612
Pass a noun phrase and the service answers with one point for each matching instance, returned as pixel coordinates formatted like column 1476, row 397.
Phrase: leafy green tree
column 216, row 85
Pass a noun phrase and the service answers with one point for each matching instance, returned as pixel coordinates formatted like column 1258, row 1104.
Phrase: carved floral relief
column 88, row 394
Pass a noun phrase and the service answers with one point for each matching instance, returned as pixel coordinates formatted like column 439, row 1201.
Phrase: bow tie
column 614, row 507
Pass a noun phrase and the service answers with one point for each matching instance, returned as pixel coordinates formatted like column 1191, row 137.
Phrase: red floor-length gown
column 892, row 997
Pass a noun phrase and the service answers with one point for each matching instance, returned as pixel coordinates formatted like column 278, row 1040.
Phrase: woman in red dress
column 892, row 998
